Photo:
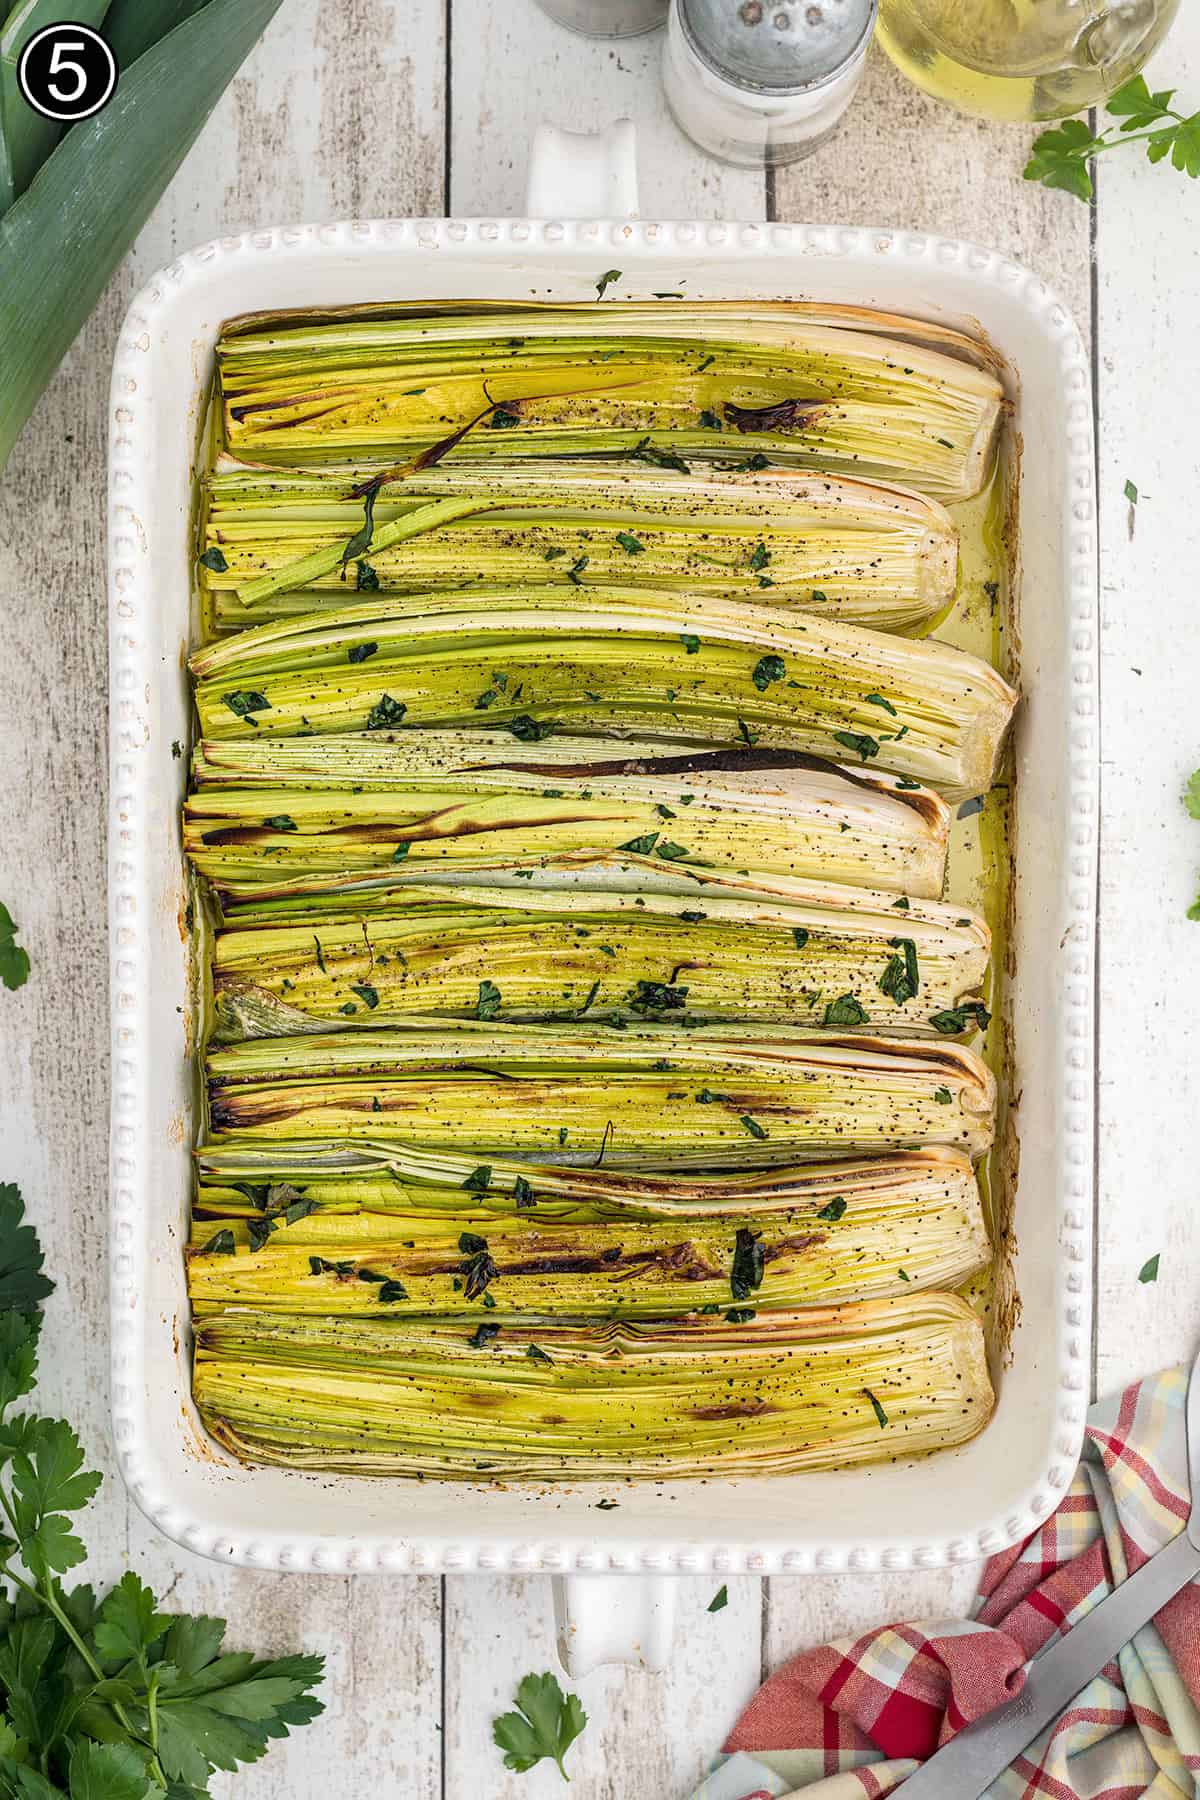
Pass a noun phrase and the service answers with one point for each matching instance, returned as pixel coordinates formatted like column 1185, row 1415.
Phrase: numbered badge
column 67, row 72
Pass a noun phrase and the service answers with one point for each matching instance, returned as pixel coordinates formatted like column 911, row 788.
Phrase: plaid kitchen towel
column 851, row 1720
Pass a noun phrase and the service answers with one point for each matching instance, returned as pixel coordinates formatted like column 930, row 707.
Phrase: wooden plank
column 512, row 67
column 803, row 1612
column 1148, row 360
column 338, row 111
column 647, row 1733
column 903, row 160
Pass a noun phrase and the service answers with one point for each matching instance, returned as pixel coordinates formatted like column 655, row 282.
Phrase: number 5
column 60, row 62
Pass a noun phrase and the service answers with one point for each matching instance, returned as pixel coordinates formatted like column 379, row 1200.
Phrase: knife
column 965, row 1767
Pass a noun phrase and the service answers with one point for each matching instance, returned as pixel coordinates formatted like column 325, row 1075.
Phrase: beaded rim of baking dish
column 132, row 670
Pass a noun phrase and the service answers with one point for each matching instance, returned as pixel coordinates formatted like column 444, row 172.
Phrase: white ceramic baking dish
column 959, row 1504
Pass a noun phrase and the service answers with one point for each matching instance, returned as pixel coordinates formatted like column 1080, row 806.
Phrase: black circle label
column 67, row 72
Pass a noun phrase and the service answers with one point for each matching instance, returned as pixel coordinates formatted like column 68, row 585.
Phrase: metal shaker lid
column 777, row 46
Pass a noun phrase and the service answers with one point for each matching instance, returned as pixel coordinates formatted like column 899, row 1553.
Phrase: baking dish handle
column 614, row 1619
column 583, row 174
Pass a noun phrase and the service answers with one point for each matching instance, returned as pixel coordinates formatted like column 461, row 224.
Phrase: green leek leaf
column 28, row 137
column 60, row 242
column 133, row 26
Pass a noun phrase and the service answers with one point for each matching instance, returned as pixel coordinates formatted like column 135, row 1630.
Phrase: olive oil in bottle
column 1022, row 59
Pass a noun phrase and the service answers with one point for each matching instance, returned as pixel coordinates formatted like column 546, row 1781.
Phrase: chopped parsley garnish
column 760, row 556
column 641, row 846
column 244, row 701
column 657, row 996
column 385, row 713
column 504, row 418
column 943, row 1096
column 766, row 670
column 478, row 1269
column 719, row 1600
column 479, row 1180
column 280, row 822
column 214, row 559
column 740, row 1315
column 900, row 980
column 690, row 642
column 358, row 653
column 749, row 1263
column 483, row 1335
column 366, row 579
column 1149, row 1270
column 880, row 1415
column 800, row 936
column 576, row 569
column 863, row 746
column 528, row 730
column 488, row 1003
column 366, row 993
column 846, row 1010
column 970, row 807
column 753, row 1127
column 535, row 1353
column 630, row 545
column 833, row 1211
column 523, row 1192
column 602, row 286
column 878, row 700
column 957, row 1018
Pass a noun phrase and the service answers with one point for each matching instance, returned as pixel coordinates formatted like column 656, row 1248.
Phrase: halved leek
column 338, row 823
column 611, row 662
column 794, row 954
column 652, row 1095
column 779, row 1393
column 692, row 379
column 868, row 554
column 527, row 1264
column 248, row 1180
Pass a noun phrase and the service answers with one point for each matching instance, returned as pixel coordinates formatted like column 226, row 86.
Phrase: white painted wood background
column 386, row 107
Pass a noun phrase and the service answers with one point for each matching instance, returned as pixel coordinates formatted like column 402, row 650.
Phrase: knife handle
column 971, row 1761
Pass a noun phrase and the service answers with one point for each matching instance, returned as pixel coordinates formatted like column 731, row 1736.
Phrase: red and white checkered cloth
column 849, row 1721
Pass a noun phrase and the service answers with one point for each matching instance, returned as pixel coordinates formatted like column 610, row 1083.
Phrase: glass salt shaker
column 763, row 82
column 607, row 18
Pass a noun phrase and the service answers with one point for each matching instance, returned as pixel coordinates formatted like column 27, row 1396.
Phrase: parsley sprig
column 1061, row 156
column 546, row 1725
column 108, row 1700
column 14, row 961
